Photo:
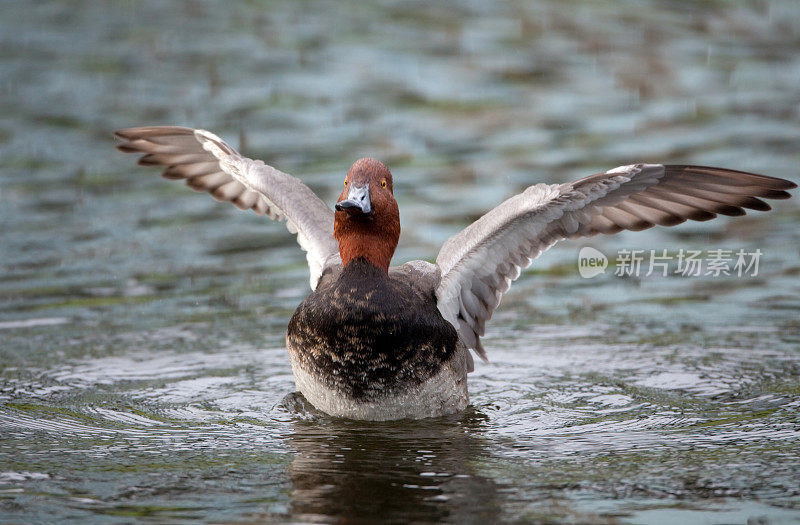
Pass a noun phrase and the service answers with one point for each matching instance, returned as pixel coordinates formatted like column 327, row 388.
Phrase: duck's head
column 367, row 219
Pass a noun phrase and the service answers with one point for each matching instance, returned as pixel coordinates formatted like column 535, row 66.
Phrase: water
column 142, row 367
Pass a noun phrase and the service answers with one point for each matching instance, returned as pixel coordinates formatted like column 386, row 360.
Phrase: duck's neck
column 373, row 241
column 374, row 249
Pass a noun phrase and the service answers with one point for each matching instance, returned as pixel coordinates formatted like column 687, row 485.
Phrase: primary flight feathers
column 208, row 164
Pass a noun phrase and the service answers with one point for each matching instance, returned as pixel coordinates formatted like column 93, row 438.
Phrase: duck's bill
column 357, row 201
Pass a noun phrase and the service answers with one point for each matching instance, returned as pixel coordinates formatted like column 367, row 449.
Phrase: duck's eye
column 345, row 182
column 383, row 183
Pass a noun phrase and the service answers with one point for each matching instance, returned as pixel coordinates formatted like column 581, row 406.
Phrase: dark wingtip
column 127, row 148
column 640, row 226
column 754, row 203
column 151, row 131
column 147, row 160
column 781, row 195
column 673, row 221
column 745, row 178
column 480, row 350
column 124, row 134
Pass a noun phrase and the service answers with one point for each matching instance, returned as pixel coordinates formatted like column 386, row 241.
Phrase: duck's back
column 369, row 346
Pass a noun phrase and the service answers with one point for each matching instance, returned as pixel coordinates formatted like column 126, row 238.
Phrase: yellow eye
column 383, row 183
column 345, row 182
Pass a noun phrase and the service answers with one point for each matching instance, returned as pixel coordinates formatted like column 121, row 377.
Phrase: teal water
column 143, row 374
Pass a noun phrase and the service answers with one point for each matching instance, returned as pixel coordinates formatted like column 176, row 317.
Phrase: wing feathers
column 479, row 263
column 170, row 159
column 208, row 164
column 228, row 191
column 188, row 171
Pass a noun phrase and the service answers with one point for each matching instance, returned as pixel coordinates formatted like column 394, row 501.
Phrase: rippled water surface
column 143, row 373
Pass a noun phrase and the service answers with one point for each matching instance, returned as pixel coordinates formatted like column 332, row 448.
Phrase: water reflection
column 409, row 470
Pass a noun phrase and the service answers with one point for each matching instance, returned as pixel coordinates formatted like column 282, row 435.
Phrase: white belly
column 444, row 393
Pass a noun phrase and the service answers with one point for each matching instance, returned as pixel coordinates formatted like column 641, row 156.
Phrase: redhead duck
column 379, row 343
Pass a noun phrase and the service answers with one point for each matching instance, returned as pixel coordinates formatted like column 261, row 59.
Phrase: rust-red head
column 367, row 219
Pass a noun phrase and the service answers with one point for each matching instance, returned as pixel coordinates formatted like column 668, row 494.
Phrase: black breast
column 365, row 334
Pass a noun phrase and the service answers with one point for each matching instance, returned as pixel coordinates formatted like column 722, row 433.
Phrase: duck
column 377, row 342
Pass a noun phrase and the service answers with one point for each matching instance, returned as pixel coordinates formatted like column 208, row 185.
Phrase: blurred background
column 143, row 372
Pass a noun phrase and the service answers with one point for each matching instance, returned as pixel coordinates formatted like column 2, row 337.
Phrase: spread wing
column 479, row 263
column 208, row 164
